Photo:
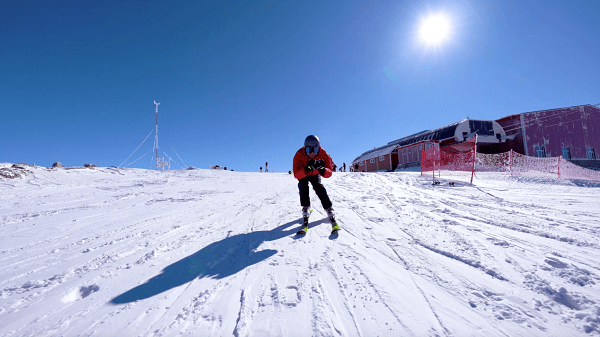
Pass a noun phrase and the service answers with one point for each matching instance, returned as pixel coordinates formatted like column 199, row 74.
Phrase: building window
column 566, row 152
column 361, row 163
column 372, row 161
column 382, row 158
column 540, row 151
column 591, row 154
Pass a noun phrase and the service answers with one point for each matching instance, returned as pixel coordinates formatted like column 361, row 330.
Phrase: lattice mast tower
column 160, row 162
column 156, row 136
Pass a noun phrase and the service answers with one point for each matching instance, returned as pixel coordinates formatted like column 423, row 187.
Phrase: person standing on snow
column 311, row 163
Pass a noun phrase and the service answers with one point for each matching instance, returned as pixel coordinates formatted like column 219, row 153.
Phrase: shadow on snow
column 217, row 260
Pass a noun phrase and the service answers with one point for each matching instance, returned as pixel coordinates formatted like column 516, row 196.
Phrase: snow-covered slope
column 108, row 252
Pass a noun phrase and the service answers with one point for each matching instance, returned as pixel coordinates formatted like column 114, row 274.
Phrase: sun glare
column 435, row 29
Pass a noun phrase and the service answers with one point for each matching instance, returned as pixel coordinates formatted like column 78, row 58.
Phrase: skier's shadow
column 217, row 260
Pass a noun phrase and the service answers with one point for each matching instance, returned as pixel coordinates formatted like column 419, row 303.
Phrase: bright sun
column 434, row 29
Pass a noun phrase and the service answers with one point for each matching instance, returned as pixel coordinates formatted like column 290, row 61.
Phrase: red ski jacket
column 301, row 160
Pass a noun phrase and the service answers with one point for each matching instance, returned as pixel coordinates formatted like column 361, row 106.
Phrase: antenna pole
column 157, row 160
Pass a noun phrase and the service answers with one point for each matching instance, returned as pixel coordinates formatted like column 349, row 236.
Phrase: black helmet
column 312, row 140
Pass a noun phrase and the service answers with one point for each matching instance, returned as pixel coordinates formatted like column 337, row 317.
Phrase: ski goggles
column 311, row 149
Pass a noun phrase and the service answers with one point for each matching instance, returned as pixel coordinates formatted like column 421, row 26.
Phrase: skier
column 310, row 164
column 267, row 167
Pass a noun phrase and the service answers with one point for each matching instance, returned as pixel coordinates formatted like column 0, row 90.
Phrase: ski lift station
column 567, row 132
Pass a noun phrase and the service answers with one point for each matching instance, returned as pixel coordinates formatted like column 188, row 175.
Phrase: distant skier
column 261, row 169
column 310, row 164
column 267, row 167
column 344, row 167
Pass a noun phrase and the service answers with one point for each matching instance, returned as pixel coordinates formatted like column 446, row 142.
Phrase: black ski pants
column 317, row 186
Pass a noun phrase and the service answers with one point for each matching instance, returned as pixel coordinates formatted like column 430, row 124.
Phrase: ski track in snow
column 107, row 251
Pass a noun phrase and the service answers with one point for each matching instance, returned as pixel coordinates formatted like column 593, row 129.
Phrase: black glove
column 320, row 166
column 310, row 165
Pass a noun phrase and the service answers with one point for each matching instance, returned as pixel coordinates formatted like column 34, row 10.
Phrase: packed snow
column 132, row 252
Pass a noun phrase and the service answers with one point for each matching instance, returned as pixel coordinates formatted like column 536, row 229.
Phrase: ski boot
column 331, row 215
column 305, row 215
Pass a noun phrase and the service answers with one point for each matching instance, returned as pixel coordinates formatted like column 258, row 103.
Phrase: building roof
column 397, row 141
column 436, row 134
column 376, row 152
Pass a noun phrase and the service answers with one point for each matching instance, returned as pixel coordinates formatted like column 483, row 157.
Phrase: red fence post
column 510, row 160
column 433, row 163
column 559, row 158
column 474, row 156
column 422, row 159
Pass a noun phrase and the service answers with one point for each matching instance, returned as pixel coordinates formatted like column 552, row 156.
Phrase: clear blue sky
column 241, row 83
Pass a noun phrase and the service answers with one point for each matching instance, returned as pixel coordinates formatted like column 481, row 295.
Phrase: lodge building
column 573, row 133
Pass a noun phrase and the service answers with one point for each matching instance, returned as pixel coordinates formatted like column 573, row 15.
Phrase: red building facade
column 573, row 133
column 377, row 160
column 410, row 155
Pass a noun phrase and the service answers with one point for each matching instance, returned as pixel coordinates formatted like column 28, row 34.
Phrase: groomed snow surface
column 113, row 252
